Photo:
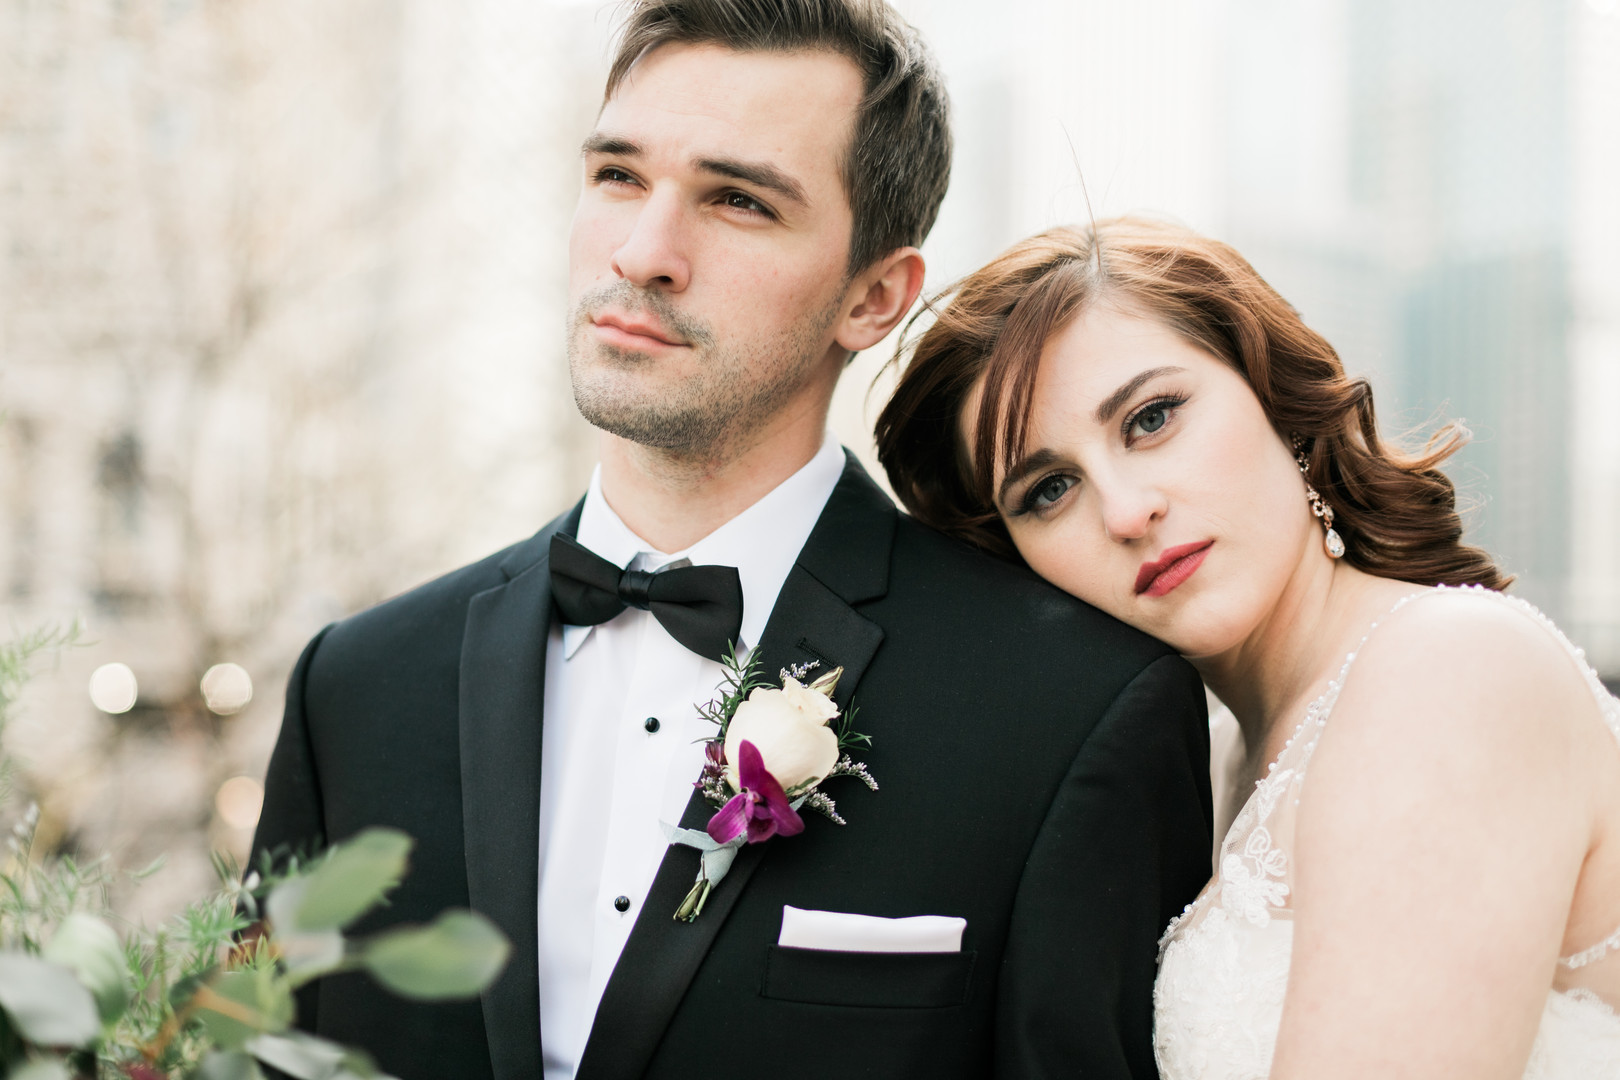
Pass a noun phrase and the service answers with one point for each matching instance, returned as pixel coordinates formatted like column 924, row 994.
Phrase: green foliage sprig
column 208, row 995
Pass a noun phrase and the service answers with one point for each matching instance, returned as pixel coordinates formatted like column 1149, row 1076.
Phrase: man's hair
column 899, row 163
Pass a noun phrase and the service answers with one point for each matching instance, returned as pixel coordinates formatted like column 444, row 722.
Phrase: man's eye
column 742, row 201
column 611, row 175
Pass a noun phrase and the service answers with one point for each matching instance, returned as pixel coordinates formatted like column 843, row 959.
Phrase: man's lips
column 632, row 333
column 1170, row 569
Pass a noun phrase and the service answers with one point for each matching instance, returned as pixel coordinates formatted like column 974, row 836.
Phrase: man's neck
column 673, row 499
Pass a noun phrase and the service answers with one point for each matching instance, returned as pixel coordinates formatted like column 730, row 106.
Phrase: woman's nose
column 1129, row 510
column 653, row 254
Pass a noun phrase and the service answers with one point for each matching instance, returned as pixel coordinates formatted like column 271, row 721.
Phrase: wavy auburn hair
column 1395, row 510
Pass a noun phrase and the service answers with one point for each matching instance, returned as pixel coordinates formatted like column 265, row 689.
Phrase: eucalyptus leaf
column 241, row 1004
column 310, row 955
column 455, row 956
column 47, row 1004
column 91, row 949
column 310, row 1058
column 352, row 879
column 51, row 1068
column 229, row 1065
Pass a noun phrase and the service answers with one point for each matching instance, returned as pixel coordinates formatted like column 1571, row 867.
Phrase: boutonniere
column 775, row 747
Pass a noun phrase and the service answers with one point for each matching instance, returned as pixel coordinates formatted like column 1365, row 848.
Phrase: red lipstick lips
column 1171, row 569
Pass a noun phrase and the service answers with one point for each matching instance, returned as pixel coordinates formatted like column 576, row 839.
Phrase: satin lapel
column 813, row 620
column 503, row 664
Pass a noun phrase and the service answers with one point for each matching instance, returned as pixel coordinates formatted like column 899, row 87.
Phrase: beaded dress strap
column 1608, row 707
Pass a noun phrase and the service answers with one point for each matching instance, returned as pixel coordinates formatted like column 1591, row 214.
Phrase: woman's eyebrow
column 1116, row 401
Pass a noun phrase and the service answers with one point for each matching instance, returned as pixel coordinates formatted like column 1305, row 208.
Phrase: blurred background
column 282, row 286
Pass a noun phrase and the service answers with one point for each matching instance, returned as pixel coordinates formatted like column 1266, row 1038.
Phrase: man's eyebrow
column 1115, row 401
column 598, row 142
column 1029, row 463
column 757, row 173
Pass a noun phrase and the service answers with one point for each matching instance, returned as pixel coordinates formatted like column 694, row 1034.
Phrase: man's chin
column 644, row 418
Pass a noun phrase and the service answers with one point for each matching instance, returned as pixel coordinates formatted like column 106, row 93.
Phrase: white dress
column 1223, row 966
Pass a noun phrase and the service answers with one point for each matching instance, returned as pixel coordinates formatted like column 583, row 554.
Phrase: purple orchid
column 760, row 808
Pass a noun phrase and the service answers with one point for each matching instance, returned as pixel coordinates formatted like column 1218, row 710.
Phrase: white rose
column 789, row 729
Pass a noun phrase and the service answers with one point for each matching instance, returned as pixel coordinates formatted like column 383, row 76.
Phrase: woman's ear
column 879, row 297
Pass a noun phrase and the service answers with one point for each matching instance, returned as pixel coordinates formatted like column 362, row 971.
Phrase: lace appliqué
column 1252, row 883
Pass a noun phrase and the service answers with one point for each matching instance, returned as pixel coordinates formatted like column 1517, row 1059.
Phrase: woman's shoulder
column 1463, row 678
column 1469, row 637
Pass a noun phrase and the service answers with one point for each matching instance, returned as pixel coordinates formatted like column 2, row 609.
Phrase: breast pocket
column 873, row 980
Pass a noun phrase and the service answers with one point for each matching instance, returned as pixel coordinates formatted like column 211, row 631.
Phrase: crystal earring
column 1333, row 542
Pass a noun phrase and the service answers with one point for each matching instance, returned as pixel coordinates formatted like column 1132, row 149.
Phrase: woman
column 1130, row 409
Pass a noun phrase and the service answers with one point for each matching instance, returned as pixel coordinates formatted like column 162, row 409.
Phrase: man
column 754, row 191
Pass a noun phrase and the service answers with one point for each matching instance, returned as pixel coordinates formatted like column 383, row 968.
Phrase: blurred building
column 1431, row 183
column 281, row 309
column 282, row 291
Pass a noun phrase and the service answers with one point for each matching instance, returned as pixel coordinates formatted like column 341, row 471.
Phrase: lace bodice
column 1224, row 962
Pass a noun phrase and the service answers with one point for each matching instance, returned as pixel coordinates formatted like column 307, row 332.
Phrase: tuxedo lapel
column 844, row 563
column 503, row 664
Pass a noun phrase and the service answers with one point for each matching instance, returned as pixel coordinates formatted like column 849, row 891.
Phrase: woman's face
column 1153, row 486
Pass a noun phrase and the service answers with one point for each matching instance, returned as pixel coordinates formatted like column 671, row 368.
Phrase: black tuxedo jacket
column 1044, row 774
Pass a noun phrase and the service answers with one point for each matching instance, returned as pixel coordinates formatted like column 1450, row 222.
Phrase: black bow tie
column 700, row 606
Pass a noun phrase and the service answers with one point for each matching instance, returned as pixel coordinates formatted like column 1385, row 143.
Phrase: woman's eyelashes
column 1151, row 417
column 1044, row 494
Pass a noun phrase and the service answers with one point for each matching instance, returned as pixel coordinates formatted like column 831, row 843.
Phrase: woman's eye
column 1048, row 491
column 1152, row 417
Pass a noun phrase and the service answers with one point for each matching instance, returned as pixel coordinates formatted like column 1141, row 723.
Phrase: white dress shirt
column 606, row 782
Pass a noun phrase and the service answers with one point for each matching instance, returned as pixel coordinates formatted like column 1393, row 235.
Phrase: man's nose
column 654, row 254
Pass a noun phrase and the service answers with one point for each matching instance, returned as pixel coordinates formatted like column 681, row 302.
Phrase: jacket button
column 621, row 903
column 651, row 725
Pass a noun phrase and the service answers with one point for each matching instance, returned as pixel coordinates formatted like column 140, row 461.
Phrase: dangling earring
column 1332, row 541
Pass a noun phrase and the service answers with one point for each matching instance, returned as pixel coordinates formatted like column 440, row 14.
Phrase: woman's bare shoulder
column 1468, row 641
column 1461, row 680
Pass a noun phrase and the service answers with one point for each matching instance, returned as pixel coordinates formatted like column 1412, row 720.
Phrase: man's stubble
column 736, row 390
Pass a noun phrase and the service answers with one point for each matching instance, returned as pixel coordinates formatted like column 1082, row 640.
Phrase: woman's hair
column 1395, row 510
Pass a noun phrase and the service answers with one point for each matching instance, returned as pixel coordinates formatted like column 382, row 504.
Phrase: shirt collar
column 762, row 542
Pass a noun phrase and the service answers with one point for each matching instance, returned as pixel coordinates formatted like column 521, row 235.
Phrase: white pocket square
column 842, row 932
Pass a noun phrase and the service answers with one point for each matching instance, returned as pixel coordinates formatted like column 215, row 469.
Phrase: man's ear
column 879, row 297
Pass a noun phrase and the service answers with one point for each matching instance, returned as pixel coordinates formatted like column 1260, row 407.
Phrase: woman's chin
column 1202, row 627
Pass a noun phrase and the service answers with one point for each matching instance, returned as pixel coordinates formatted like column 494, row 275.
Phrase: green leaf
column 47, row 1004
column 51, row 1068
column 90, row 948
column 455, row 956
column 180, row 993
column 309, row 956
column 241, row 1004
column 352, row 879
column 309, row 1058
column 229, row 1065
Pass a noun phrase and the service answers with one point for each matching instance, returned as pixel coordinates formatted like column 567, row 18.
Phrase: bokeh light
column 227, row 688
column 239, row 801
column 113, row 688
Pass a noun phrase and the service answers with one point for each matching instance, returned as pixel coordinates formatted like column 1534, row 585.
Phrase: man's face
column 707, row 259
